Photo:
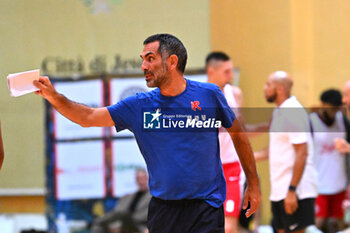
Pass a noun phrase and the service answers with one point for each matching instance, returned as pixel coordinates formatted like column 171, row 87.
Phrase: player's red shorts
column 232, row 205
column 330, row 205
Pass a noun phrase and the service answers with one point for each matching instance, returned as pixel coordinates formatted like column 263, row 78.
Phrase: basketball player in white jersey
column 327, row 125
column 219, row 69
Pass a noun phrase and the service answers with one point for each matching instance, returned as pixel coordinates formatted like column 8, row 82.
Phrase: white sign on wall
column 89, row 93
column 126, row 159
column 80, row 170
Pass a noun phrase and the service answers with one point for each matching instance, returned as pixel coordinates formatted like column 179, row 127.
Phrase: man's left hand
column 253, row 197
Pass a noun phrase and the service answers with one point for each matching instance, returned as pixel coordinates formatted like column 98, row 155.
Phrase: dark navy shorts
column 184, row 216
column 304, row 216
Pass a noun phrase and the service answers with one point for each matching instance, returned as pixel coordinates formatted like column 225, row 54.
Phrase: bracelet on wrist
column 292, row 188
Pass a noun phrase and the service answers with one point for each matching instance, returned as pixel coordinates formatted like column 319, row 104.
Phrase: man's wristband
column 292, row 188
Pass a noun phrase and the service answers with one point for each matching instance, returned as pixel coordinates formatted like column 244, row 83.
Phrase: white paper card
column 22, row 83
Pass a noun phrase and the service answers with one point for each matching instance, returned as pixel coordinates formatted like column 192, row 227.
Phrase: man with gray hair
column 130, row 214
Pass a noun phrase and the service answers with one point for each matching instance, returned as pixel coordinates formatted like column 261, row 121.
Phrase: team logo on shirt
column 152, row 120
column 195, row 105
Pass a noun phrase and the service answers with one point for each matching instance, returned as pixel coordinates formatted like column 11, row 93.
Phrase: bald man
column 293, row 176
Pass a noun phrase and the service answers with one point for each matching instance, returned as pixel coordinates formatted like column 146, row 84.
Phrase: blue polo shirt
column 178, row 138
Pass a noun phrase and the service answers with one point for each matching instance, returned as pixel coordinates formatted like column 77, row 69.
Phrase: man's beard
column 159, row 77
column 327, row 119
column 272, row 98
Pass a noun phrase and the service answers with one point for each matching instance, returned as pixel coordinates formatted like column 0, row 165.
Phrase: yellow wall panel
column 22, row 204
column 331, row 36
column 256, row 36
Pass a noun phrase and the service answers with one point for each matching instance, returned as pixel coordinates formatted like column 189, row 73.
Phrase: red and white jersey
column 329, row 162
column 228, row 152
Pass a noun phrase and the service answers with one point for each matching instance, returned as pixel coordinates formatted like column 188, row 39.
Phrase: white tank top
column 330, row 164
column 228, row 152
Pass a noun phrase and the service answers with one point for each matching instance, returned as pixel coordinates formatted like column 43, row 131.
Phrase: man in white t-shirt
column 219, row 69
column 293, row 176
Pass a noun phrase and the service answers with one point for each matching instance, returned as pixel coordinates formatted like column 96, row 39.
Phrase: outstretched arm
column 246, row 157
column 78, row 113
column 252, row 130
column 2, row 154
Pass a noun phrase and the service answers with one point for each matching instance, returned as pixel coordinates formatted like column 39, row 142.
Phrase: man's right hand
column 341, row 145
column 46, row 89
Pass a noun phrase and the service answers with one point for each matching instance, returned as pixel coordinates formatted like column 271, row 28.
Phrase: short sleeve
column 298, row 138
column 298, row 125
column 225, row 113
column 124, row 113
